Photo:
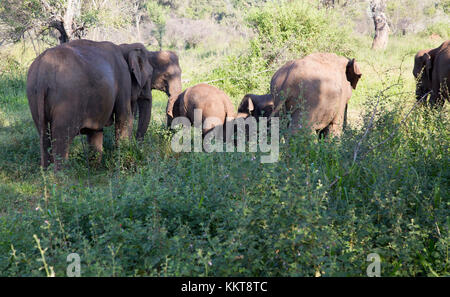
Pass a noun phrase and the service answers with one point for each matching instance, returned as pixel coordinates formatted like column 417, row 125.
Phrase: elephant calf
column 318, row 87
column 432, row 72
column 81, row 87
column 215, row 106
column 256, row 106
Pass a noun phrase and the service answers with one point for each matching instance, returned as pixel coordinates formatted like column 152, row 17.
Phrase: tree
column 157, row 14
column 138, row 10
column 39, row 16
column 377, row 9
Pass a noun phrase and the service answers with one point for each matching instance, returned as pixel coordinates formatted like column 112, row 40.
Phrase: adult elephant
column 166, row 77
column 82, row 86
column 318, row 87
column 432, row 72
column 215, row 106
column 256, row 105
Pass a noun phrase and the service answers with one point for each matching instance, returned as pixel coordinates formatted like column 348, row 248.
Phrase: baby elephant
column 215, row 107
column 256, row 106
column 318, row 87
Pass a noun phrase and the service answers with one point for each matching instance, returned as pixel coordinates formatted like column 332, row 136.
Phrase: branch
column 401, row 123
column 355, row 155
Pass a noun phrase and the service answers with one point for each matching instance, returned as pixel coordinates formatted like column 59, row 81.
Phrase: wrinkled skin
column 166, row 77
column 256, row 105
column 82, row 86
column 432, row 72
column 318, row 88
column 212, row 101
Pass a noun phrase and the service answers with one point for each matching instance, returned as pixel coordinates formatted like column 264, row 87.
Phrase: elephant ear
column 246, row 105
column 353, row 73
column 139, row 66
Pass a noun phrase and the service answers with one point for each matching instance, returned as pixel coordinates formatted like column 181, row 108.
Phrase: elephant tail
column 345, row 117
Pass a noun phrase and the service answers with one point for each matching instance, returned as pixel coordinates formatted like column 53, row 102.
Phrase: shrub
column 442, row 29
column 284, row 32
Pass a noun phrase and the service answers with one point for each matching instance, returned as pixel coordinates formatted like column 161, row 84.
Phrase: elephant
column 432, row 72
column 82, row 86
column 256, row 105
column 318, row 86
column 166, row 77
column 214, row 104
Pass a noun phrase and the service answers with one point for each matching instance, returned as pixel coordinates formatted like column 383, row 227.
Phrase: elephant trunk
column 144, row 104
column 145, row 111
column 174, row 87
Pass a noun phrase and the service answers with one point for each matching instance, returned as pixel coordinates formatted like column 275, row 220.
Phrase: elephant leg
column 62, row 137
column 295, row 125
column 145, row 111
column 134, row 108
column 335, row 129
column 324, row 132
column 45, row 140
column 123, row 120
column 95, row 140
column 336, row 126
column 440, row 93
column 339, row 121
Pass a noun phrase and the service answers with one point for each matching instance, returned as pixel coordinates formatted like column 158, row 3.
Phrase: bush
column 442, row 29
column 285, row 31
column 175, row 218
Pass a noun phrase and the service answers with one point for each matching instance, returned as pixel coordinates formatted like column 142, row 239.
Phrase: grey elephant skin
column 82, row 86
column 318, row 88
column 256, row 106
column 213, row 103
column 165, row 77
column 432, row 72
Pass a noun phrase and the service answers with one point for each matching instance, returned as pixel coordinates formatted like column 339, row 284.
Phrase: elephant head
column 256, row 105
column 167, row 77
column 353, row 73
column 167, row 72
column 423, row 66
column 142, row 74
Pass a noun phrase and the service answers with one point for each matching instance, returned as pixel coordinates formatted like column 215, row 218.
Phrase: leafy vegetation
column 320, row 210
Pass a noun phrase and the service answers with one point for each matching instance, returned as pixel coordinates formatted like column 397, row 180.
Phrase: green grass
column 146, row 210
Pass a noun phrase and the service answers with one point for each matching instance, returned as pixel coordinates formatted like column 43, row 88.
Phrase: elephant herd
column 83, row 86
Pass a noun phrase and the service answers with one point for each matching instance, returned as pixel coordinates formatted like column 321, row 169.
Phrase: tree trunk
column 59, row 25
column 65, row 24
column 381, row 38
column 68, row 17
column 138, row 28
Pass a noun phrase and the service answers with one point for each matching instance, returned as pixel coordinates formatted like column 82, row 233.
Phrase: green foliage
column 157, row 14
column 284, row 32
column 200, row 9
column 297, row 27
column 442, row 29
column 147, row 211
column 445, row 4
